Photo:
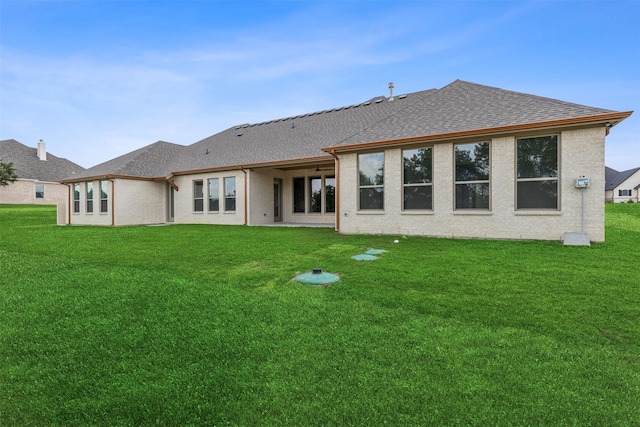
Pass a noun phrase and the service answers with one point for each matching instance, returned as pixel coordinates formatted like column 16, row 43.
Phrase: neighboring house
column 38, row 173
column 622, row 186
column 465, row 160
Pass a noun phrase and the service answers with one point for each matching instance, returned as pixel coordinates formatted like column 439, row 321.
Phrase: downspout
column 245, row 195
column 68, row 203
column 113, row 202
column 337, row 168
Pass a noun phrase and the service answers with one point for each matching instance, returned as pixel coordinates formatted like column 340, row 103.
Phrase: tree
column 7, row 174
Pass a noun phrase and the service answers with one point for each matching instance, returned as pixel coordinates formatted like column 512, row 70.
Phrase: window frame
column 325, row 198
column 39, row 194
column 89, row 196
column 104, row 197
column 539, row 179
column 316, row 208
column 230, row 197
column 406, row 186
column 210, row 198
column 299, row 196
column 378, row 186
column 475, row 182
column 198, row 198
column 76, row 197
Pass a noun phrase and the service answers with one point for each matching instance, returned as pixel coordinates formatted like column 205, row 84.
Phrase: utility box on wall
column 582, row 182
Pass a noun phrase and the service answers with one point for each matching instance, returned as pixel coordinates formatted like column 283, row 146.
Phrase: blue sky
column 97, row 79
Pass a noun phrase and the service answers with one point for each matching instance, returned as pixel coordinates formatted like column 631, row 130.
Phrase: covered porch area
column 295, row 194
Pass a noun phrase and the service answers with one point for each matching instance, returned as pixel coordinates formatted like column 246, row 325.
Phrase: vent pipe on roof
column 42, row 150
column 390, row 91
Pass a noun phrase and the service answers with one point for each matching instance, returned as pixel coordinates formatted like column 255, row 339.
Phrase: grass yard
column 202, row 325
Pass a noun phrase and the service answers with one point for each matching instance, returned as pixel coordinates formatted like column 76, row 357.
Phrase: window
column 315, row 194
column 298, row 195
column 89, row 197
column 76, row 198
column 330, row 194
column 371, row 181
column 417, row 179
column 104, row 205
column 214, row 195
column 624, row 192
column 472, row 175
column 39, row 191
column 198, row 201
column 230, row 193
column 537, row 173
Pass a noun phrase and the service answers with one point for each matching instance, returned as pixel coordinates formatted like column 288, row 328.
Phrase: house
column 38, row 175
column 466, row 160
column 622, row 187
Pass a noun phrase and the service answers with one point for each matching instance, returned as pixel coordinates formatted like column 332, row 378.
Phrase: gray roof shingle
column 463, row 106
column 28, row 166
column 458, row 107
column 613, row 178
column 152, row 161
column 290, row 138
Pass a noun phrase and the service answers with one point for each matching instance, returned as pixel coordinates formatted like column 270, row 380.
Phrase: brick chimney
column 42, row 150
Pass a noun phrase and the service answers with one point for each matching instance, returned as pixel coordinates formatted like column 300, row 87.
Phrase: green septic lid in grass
column 375, row 251
column 317, row 277
column 364, row 257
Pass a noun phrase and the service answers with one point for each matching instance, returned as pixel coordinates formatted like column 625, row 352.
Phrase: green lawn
column 203, row 325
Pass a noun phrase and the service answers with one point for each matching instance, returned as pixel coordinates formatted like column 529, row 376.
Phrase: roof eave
column 270, row 164
column 611, row 118
column 111, row 176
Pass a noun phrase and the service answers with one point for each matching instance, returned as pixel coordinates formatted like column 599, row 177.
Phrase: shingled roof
column 152, row 161
column 469, row 107
column 290, row 138
column 460, row 107
column 613, row 178
column 28, row 166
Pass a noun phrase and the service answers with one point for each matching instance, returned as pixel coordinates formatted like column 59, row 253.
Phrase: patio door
column 277, row 200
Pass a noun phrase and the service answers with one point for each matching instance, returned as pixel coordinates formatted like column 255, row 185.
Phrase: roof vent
column 390, row 91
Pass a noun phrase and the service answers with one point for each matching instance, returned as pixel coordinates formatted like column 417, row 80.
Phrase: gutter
column 337, row 190
column 68, row 204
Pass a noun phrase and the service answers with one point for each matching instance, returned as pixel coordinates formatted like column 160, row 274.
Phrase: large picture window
column 472, row 175
column 537, row 173
column 371, row 181
column 198, row 196
column 230, row 193
column 417, row 185
column 214, row 194
column 76, row 198
column 298, row 195
column 104, row 206
column 89, row 197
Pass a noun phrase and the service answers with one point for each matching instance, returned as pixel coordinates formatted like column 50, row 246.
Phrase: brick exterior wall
column 581, row 153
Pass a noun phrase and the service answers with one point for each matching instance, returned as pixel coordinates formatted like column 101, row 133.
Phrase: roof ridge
column 378, row 98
